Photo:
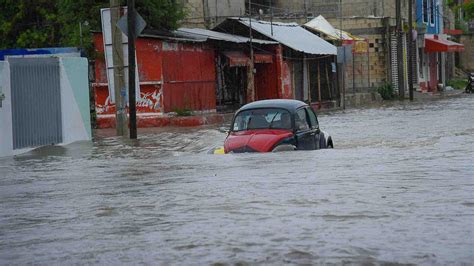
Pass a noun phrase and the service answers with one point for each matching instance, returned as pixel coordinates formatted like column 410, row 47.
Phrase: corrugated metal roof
column 214, row 35
column 292, row 35
column 175, row 37
column 165, row 35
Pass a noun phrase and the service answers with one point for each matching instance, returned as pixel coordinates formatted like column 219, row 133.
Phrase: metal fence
column 36, row 101
column 357, row 68
column 358, row 73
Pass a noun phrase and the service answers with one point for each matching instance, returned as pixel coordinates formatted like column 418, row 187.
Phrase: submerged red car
column 275, row 125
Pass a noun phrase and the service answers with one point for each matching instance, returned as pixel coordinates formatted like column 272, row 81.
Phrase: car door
column 304, row 133
column 319, row 139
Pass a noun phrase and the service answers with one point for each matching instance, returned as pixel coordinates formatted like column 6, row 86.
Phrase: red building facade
column 172, row 75
column 182, row 75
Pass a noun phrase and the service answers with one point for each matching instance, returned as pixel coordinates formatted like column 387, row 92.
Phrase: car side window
column 312, row 118
column 301, row 120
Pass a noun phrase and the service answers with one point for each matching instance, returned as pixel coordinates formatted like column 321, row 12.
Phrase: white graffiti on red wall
column 149, row 101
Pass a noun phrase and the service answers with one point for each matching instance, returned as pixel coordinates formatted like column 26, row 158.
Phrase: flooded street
column 398, row 187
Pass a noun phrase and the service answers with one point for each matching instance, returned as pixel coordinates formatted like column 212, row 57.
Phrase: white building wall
column 6, row 130
column 74, row 126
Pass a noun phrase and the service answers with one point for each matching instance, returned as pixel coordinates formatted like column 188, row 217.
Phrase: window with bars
column 432, row 12
column 425, row 11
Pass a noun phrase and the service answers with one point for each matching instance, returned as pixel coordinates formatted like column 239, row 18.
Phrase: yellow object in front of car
column 219, row 150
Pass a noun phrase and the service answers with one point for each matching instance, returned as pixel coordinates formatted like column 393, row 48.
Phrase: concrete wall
column 75, row 99
column 332, row 9
column 361, row 24
column 467, row 57
column 202, row 13
column 290, row 5
column 369, row 70
column 208, row 13
column 6, row 137
column 362, row 99
column 194, row 14
column 224, row 8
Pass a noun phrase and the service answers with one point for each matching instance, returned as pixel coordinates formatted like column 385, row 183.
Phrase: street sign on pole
column 107, row 29
column 140, row 24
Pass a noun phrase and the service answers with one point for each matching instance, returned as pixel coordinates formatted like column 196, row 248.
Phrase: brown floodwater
column 398, row 188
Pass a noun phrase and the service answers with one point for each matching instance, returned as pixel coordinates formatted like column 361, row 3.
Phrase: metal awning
column 220, row 36
column 320, row 24
column 434, row 45
column 291, row 35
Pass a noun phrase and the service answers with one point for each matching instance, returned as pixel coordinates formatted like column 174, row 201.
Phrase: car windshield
column 268, row 118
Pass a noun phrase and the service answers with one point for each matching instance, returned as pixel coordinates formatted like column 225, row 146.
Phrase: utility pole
column 410, row 48
column 342, row 69
column 131, row 18
column 305, row 11
column 400, row 74
column 271, row 17
column 251, row 78
column 216, row 22
column 117, row 61
column 207, row 13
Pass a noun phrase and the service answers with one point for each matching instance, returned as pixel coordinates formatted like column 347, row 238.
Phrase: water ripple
column 397, row 190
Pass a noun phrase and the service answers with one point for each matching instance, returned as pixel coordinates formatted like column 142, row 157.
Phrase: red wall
column 172, row 76
column 273, row 80
column 189, row 76
column 100, row 74
column 286, row 80
column 285, row 89
column 433, row 67
column 266, row 81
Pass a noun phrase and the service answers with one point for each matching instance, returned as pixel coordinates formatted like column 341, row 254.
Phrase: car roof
column 290, row 105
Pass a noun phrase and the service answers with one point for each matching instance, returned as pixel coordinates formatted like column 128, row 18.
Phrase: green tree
column 46, row 23
column 161, row 14
column 28, row 23
column 469, row 10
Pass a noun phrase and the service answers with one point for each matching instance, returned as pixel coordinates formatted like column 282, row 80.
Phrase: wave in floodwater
column 398, row 188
